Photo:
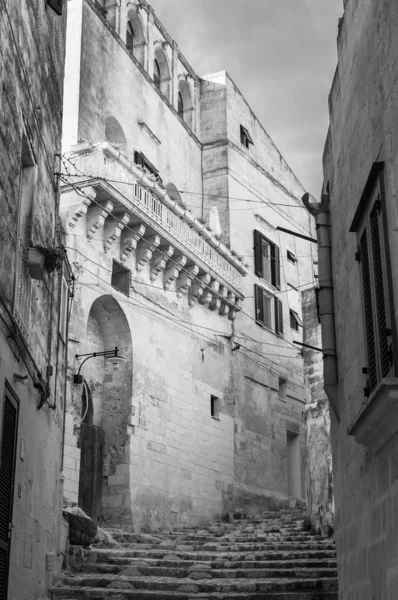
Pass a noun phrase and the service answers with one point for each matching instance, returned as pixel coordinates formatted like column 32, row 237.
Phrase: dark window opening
column 180, row 105
column 141, row 159
column 120, row 278
column 215, row 407
column 245, row 138
column 56, row 5
column 266, row 260
column 291, row 257
column 295, row 320
column 282, row 389
column 156, row 73
column 130, row 37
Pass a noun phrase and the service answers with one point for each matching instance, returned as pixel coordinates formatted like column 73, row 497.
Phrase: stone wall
column 363, row 130
column 32, row 58
column 319, row 473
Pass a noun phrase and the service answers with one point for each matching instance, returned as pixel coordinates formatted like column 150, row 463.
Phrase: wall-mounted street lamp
column 112, row 358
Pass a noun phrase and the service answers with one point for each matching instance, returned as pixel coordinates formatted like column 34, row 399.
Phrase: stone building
column 360, row 209
column 172, row 196
column 33, row 296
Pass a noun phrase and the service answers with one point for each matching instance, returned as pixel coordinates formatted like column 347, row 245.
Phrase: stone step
column 118, row 594
column 229, row 547
column 118, row 564
column 242, row 537
column 204, row 585
column 111, row 555
column 223, row 573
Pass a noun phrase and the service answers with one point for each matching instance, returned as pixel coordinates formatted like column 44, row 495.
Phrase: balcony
column 130, row 206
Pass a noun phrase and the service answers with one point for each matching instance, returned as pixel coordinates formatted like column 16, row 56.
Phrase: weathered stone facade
column 206, row 414
column 361, row 170
column 32, row 339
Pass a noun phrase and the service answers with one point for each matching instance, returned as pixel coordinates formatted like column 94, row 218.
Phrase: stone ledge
column 377, row 421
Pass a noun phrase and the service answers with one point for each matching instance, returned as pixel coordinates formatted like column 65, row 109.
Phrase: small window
column 266, row 259
column 180, row 105
column 282, row 389
column 120, row 278
column 130, row 37
column 245, row 138
column 156, row 73
column 141, row 159
column 295, row 321
column 215, row 407
column 291, row 257
column 63, row 311
column 269, row 310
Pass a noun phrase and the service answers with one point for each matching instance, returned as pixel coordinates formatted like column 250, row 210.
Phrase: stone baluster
column 96, row 217
column 159, row 260
column 224, row 308
column 215, row 301
column 130, row 239
column 173, row 269
column 185, row 279
column 113, row 229
column 146, row 248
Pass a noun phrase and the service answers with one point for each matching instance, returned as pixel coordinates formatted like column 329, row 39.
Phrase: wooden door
column 8, row 445
column 91, row 465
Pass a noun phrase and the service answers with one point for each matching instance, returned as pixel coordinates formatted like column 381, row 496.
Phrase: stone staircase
column 271, row 558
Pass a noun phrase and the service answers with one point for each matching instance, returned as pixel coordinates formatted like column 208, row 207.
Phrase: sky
column 282, row 56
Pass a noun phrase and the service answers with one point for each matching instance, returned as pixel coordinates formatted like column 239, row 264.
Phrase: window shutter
column 278, row 316
column 275, row 267
column 258, row 294
column 367, row 299
column 385, row 354
column 258, row 258
column 56, row 5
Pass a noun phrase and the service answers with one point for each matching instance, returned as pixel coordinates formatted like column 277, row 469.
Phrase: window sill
column 279, row 335
column 377, row 421
column 215, row 418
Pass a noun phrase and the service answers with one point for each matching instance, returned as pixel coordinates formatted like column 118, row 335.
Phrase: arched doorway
column 104, row 485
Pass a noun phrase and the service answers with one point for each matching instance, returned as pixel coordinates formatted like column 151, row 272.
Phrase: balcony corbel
column 130, row 239
column 146, row 248
column 113, row 229
column 96, row 217
column 159, row 261
column 185, row 279
column 197, row 288
column 171, row 273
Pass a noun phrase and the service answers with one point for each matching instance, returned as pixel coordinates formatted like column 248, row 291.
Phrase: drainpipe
column 320, row 210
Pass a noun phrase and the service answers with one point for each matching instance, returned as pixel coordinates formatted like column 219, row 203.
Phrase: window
column 282, row 389
column 245, row 138
column 215, row 407
column 100, row 4
column 156, row 73
column 371, row 255
column 130, row 36
column 180, row 105
column 295, row 320
column 291, row 257
column 266, row 260
column 141, row 159
column 120, row 278
column 269, row 310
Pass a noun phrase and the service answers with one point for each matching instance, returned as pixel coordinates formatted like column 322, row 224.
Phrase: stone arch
column 185, row 104
column 111, row 392
column 161, row 70
column 173, row 192
column 135, row 37
column 114, row 132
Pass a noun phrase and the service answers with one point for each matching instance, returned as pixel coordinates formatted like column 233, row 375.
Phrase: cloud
column 282, row 56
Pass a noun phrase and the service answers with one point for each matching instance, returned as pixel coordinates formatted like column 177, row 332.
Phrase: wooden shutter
column 380, row 296
column 258, row 254
column 275, row 267
column 258, row 294
column 56, row 5
column 278, row 316
column 7, row 467
column 367, row 301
